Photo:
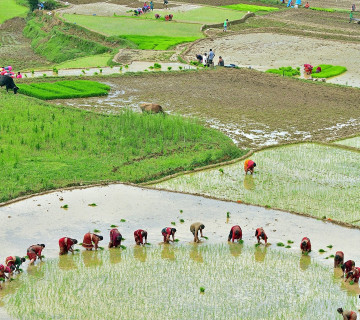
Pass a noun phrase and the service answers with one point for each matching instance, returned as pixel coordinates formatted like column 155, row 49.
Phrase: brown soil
column 252, row 107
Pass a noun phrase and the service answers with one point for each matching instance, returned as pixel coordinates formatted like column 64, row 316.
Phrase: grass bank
column 308, row 178
column 209, row 279
column 45, row 147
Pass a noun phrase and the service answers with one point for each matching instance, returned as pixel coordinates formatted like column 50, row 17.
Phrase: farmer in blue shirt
column 211, row 57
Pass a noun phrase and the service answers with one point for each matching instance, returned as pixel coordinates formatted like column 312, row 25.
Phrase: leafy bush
column 328, row 71
column 51, row 5
column 64, row 89
column 285, row 71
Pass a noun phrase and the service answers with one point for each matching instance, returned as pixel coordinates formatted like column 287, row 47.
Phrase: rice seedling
column 77, row 250
column 180, row 67
column 101, row 248
column 122, row 247
column 303, row 292
column 287, row 181
column 280, row 244
column 228, row 215
column 202, row 290
column 322, row 250
column 206, row 238
column 113, row 226
column 92, row 204
column 331, row 256
column 351, row 282
column 290, row 241
column 181, row 211
column 329, row 246
column 221, row 170
column 241, row 241
column 123, row 220
column 96, row 231
column 65, row 206
column 157, row 65
column 328, row 71
column 169, row 68
column 173, row 223
column 176, row 240
column 182, row 220
column 288, row 247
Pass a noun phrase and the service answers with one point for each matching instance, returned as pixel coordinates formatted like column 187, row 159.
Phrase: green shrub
column 328, row 71
column 64, row 89
column 285, row 71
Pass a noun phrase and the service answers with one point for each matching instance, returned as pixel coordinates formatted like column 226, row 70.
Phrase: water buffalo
column 9, row 83
column 151, row 108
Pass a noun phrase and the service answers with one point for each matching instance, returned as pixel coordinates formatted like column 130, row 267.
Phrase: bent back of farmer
column 139, row 236
column 66, row 244
column 91, row 240
column 115, row 238
column 249, row 166
column 195, row 228
column 305, row 245
column 235, row 233
column 260, row 234
column 167, row 232
column 14, row 262
column 338, row 259
column 34, row 252
column 347, row 314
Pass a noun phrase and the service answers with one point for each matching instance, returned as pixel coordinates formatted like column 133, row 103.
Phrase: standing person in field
column 166, row 2
column 235, row 233
column 14, row 262
column 195, row 228
column 151, row 6
column 139, row 236
column 260, row 234
column 66, row 244
column 205, row 59
column 91, row 240
column 167, row 232
column 115, row 238
column 211, row 57
column 347, row 266
column 347, row 314
column 338, row 259
column 305, row 245
column 249, row 166
column 34, row 252
column 226, row 24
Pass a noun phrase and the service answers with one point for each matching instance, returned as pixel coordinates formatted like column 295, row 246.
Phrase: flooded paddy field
column 351, row 142
column 312, row 179
column 171, row 275
column 252, row 108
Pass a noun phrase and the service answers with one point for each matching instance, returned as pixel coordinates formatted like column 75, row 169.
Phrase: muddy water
column 136, row 66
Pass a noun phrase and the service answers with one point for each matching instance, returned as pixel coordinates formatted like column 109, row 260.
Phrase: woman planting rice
column 91, row 240
column 14, row 262
column 353, row 275
column 249, row 166
column 139, row 236
column 3, row 270
column 195, row 228
column 338, row 259
column 115, row 238
column 305, row 245
column 347, row 314
column 66, row 244
column 167, row 232
column 34, row 252
column 347, row 266
column 260, row 234
column 235, row 233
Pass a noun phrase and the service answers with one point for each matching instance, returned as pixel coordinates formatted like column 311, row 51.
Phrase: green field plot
column 211, row 281
column 285, row 71
column 250, row 7
column 10, row 9
column 64, row 89
column 351, row 142
column 45, row 146
column 307, row 178
column 328, row 71
column 99, row 60
column 117, row 26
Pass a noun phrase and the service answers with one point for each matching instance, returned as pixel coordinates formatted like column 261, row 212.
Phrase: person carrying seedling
column 91, row 240
column 34, row 252
column 347, row 314
column 115, row 238
column 249, row 166
column 14, row 262
column 66, row 244
column 260, row 234
column 195, row 228
column 347, row 266
column 139, row 236
column 235, row 233
column 305, row 245
column 167, row 232
column 3, row 270
column 338, row 259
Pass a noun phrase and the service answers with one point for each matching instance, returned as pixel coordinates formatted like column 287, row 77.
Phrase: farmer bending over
column 347, row 314
column 260, row 234
column 91, row 240
column 338, row 259
column 14, row 262
column 66, row 244
column 2, row 273
column 249, row 166
column 347, row 266
column 353, row 275
column 235, row 233
column 139, row 236
column 34, row 252
column 115, row 238
column 195, row 228
column 305, row 245
column 167, row 232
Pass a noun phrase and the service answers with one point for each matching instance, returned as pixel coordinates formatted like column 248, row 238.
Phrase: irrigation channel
column 40, row 219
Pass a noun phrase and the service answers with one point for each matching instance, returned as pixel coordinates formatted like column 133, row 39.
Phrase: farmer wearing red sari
column 4, row 270
column 66, row 244
column 235, row 233
column 91, row 240
column 347, row 314
column 347, row 266
column 34, row 252
column 353, row 275
column 139, row 236
column 115, row 238
column 249, row 166
column 260, row 234
column 167, row 232
column 305, row 245
column 338, row 259
column 14, row 262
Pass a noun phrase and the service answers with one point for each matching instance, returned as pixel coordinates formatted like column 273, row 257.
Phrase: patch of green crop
column 328, row 71
column 173, row 223
column 182, row 220
column 10, row 9
column 329, row 9
column 351, row 142
column 280, row 244
column 285, row 71
column 64, row 89
column 250, row 7
column 86, row 62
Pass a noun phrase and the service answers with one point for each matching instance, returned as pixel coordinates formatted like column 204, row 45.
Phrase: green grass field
column 200, row 15
column 10, row 9
column 351, row 142
column 45, row 146
column 164, row 282
column 64, row 89
column 306, row 178
column 328, row 71
column 99, row 60
column 250, row 7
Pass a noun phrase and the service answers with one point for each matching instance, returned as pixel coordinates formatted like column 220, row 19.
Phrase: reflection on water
column 235, row 249
column 260, row 253
column 140, row 253
column 249, row 182
column 305, row 262
column 168, row 252
column 36, row 270
column 195, row 253
column 66, row 262
column 92, row 258
column 115, row 255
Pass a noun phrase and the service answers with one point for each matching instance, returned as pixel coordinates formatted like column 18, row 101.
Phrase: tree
column 33, row 4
